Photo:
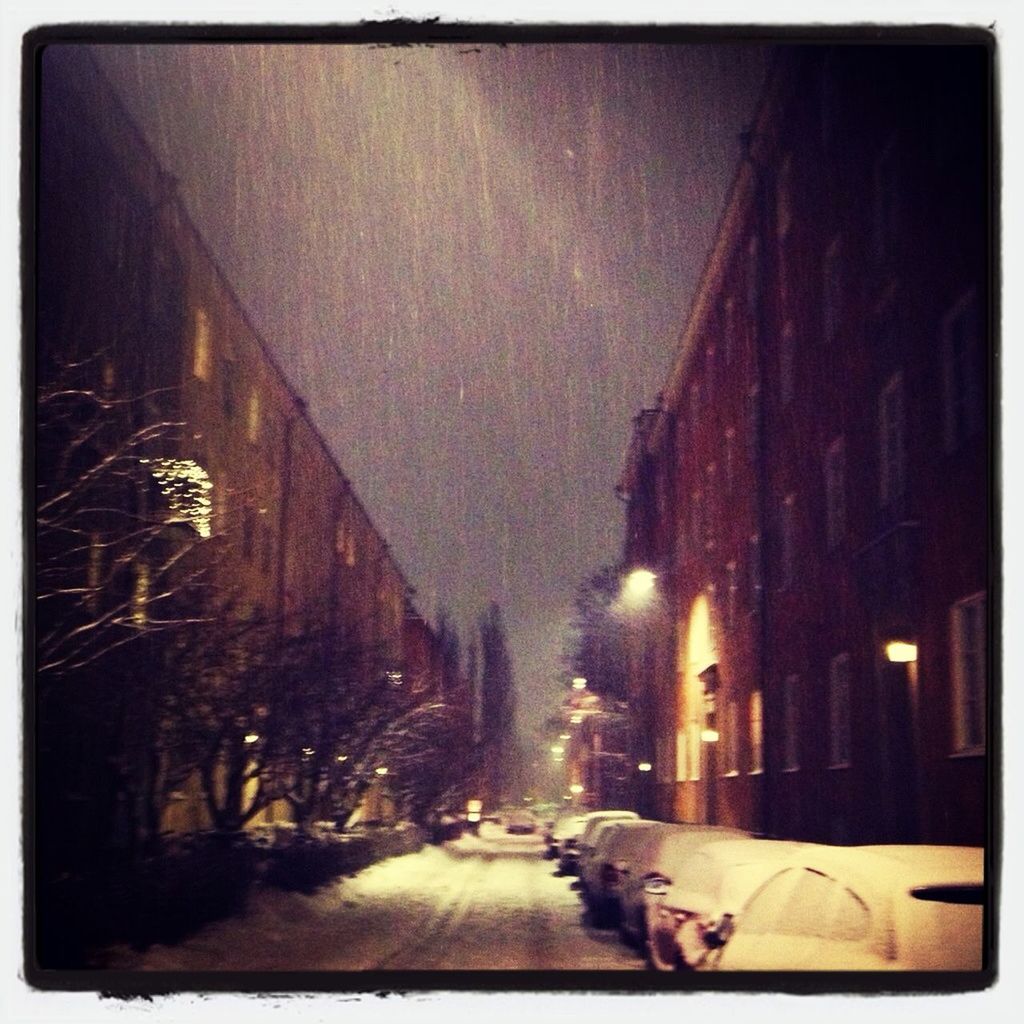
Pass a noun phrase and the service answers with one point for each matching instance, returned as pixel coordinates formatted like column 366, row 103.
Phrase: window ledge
column 730, row 775
column 756, row 771
column 960, row 755
column 790, row 771
column 839, row 767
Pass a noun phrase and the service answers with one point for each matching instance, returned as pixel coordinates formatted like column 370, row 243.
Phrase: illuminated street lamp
column 381, row 771
column 252, row 738
column 901, row 652
column 575, row 789
column 637, row 589
column 564, row 736
column 644, row 766
column 557, row 750
column 579, row 683
column 576, row 718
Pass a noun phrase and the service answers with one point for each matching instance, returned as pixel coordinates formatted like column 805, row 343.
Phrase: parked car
column 874, row 908
column 520, row 823
column 660, row 859
column 615, row 849
column 563, row 826
column 569, row 849
column 711, row 884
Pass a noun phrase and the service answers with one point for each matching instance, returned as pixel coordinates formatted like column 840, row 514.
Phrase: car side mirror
column 656, row 885
column 719, row 933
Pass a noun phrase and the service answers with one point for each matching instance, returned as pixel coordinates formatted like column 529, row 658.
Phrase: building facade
column 812, row 490
column 248, row 517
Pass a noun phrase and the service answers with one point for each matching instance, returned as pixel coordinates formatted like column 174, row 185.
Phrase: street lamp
column 644, row 766
column 901, row 651
column 579, row 683
column 637, row 589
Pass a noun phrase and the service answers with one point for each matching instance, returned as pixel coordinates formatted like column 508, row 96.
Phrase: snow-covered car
column 521, row 823
column 615, row 850
column 569, row 848
column 564, row 825
column 710, row 886
column 660, row 859
column 867, row 908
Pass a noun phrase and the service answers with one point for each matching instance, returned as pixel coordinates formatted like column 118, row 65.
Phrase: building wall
column 127, row 282
column 833, row 369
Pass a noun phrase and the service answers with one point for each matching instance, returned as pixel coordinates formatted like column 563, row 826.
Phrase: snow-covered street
column 488, row 902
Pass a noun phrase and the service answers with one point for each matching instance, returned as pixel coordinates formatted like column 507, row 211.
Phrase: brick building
column 812, row 490
column 131, row 305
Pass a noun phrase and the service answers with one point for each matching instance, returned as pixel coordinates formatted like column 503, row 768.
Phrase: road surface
column 488, row 902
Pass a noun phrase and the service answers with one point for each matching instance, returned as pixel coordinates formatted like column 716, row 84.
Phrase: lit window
column 756, row 712
column 94, row 573
column 839, row 711
column 140, row 595
column 891, row 440
column 963, row 370
column 968, row 635
column 186, row 486
column 253, row 417
column 832, row 290
column 201, row 345
column 731, row 751
column 835, row 492
column 791, row 724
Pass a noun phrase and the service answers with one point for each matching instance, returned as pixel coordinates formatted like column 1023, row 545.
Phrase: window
column 697, row 519
column 787, row 355
column 784, row 197
column 891, row 440
column 709, row 374
column 694, row 408
column 730, row 597
column 835, row 493
column 756, row 719
column 227, row 393
column 248, row 533
column 787, row 552
column 754, row 285
column 839, row 711
column 140, row 595
column 94, row 573
column 729, row 329
column 886, row 201
column 252, row 420
column 730, row 459
column 201, row 345
column 186, row 487
column 791, row 724
column 832, row 291
column 681, row 761
column 968, row 634
column 345, row 543
column 963, row 370
column 731, row 751
column 755, row 569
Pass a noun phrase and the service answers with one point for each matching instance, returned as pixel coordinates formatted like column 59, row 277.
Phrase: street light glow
column 381, row 771
column 556, row 750
column 709, row 735
column 900, row 651
column 576, row 718
column 579, row 683
column 251, row 738
column 638, row 586
column 644, row 766
column 564, row 736
column 576, row 789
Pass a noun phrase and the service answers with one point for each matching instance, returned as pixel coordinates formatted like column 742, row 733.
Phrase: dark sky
column 474, row 266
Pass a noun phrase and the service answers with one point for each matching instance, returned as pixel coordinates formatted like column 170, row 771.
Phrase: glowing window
column 252, row 420
column 186, row 486
column 201, row 345
column 140, row 594
column 756, row 713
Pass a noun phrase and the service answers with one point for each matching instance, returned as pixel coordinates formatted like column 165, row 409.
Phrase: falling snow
column 474, row 266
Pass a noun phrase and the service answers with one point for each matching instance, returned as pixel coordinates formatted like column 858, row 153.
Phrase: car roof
column 674, row 844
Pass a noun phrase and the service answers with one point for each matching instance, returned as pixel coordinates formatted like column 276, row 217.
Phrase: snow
column 482, row 902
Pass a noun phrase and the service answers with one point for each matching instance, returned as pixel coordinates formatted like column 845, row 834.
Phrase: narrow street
column 480, row 903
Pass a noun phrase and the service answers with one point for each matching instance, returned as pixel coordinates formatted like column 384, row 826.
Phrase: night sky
column 474, row 266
